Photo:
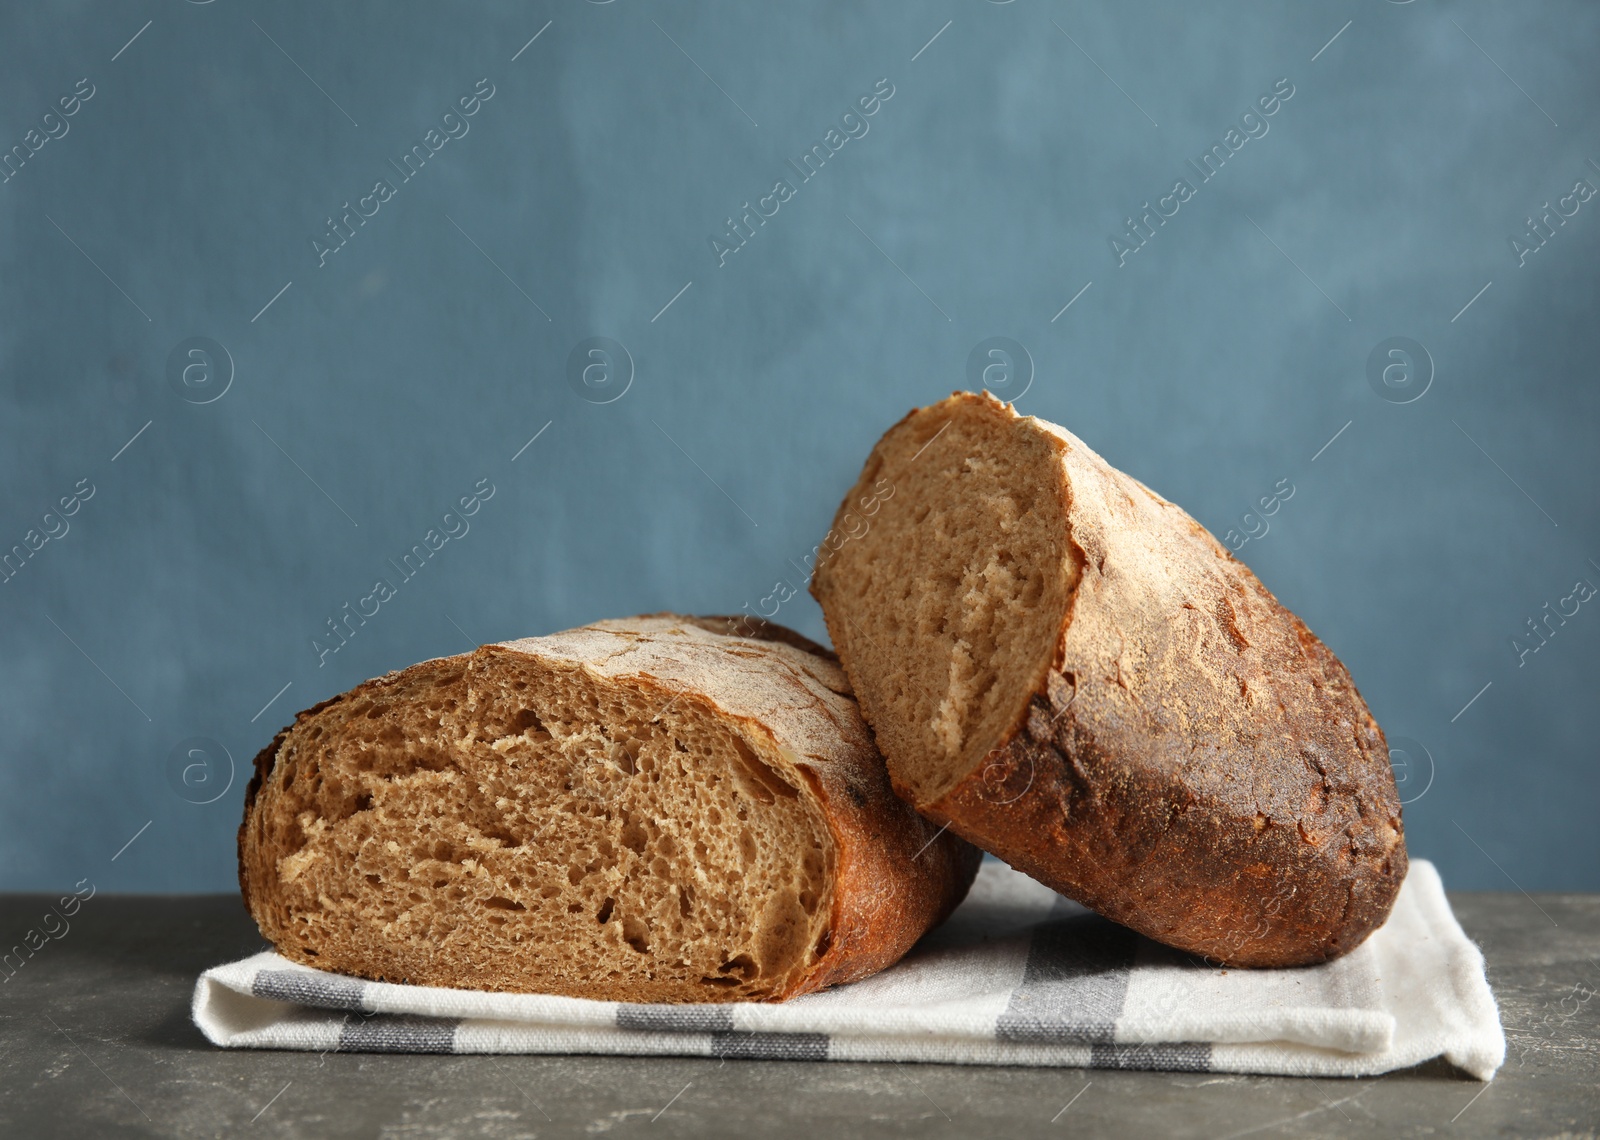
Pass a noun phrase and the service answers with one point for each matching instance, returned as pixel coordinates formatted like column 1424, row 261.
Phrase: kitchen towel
column 1018, row 975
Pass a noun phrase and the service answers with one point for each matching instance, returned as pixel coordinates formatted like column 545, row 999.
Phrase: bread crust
column 895, row 874
column 1194, row 763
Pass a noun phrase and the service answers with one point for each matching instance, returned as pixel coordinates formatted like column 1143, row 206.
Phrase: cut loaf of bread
column 1070, row 672
column 656, row 809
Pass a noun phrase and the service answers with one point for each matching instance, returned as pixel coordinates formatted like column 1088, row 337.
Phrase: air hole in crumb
column 375, row 880
column 741, row 965
column 606, row 908
column 756, row 779
column 526, row 719
column 500, row 903
column 824, row 942
column 636, row 934
column 505, row 837
column 634, row 837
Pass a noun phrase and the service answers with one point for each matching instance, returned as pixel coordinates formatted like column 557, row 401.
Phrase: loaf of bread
column 656, row 809
column 1070, row 672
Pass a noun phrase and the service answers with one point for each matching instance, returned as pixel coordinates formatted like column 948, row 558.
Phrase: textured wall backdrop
column 281, row 285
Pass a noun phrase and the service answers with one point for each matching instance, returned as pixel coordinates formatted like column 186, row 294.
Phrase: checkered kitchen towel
column 1017, row 976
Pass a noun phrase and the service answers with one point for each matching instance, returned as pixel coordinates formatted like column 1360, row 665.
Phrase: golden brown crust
column 895, row 875
column 1196, row 764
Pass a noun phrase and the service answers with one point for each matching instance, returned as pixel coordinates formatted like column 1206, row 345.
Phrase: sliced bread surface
column 654, row 809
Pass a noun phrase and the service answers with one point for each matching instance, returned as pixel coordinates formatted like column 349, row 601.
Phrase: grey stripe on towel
column 398, row 1033
column 726, row 1042
column 321, row 991
column 1074, row 984
column 1186, row 1057
column 743, row 1045
column 675, row 1018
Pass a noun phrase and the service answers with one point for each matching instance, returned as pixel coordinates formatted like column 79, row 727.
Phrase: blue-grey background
column 376, row 390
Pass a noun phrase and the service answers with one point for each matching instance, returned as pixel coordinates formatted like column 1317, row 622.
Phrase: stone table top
column 96, row 1040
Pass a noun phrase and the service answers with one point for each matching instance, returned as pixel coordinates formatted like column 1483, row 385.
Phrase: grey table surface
column 95, row 1039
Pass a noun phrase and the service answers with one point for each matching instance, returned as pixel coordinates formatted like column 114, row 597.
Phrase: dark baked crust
column 1196, row 764
column 895, row 874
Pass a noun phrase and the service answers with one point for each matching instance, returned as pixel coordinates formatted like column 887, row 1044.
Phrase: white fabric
column 1017, row 976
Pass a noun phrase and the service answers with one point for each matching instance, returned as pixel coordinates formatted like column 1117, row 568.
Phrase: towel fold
column 1017, row 976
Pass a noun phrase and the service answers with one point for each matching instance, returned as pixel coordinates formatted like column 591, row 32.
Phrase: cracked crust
column 1189, row 760
column 887, row 874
